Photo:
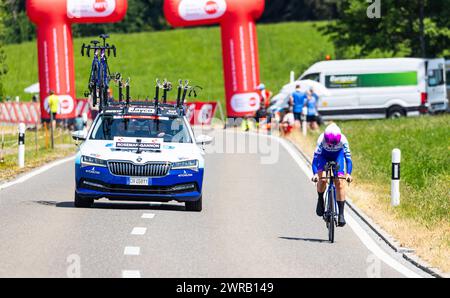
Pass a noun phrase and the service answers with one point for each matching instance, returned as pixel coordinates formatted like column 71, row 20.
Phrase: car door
column 436, row 87
column 343, row 98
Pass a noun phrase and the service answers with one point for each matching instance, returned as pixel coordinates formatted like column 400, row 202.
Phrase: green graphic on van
column 372, row 80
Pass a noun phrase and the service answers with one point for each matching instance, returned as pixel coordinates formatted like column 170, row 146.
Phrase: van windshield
column 312, row 77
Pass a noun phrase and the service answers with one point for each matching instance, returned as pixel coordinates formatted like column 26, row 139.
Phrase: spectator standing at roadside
column 79, row 123
column 297, row 100
column 287, row 124
column 312, row 101
column 53, row 105
column 265, row 97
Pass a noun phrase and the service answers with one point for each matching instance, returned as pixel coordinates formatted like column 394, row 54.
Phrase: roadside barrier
column 201, row 113
column 28, row 113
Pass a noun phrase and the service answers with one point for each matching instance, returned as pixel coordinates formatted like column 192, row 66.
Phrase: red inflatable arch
column 239, row 44
column 53, row 19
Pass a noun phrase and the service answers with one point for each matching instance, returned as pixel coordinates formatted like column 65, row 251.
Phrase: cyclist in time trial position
column 332, row 145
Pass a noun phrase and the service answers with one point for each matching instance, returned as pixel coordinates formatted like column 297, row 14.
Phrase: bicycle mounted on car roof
column 100, row 75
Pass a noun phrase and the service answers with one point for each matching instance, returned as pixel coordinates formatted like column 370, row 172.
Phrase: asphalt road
column 258, row 221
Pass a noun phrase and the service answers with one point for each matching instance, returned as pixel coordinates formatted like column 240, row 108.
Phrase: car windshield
column 171, row 130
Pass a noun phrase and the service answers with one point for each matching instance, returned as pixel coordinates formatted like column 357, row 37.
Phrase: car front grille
column 153, row 169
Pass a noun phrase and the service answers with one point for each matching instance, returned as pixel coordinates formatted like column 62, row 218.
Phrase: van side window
column 436, row 77
column 448, row 77
column 312, row 77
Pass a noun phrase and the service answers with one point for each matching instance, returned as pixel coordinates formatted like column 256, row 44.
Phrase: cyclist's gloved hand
column 349, row 178
column 315, row 178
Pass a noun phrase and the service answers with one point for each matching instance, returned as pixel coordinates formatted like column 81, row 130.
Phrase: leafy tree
column 3, row 66
column 416, row 28
column 300, row 10
column 142, row 15
column 147, row 15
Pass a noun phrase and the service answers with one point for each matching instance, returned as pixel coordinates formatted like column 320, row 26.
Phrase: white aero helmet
column 332, row 134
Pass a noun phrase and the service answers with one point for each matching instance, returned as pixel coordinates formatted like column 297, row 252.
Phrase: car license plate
column 138, row 181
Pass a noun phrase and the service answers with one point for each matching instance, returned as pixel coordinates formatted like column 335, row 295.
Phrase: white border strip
column 36, row 172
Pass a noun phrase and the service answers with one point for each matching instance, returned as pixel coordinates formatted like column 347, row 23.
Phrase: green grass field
column 193, row 54
column 425, row 146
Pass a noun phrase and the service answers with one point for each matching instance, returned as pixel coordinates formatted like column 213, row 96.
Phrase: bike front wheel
column 331, row 213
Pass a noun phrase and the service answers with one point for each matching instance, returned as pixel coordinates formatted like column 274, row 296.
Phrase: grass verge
column 422, row 221
column 35, row 156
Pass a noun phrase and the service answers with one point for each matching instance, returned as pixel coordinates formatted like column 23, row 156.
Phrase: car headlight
column 92, row 161
column 186, row 165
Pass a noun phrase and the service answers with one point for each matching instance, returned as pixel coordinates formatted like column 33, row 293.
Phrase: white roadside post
column 304, row 123
column 21, row 145
column 292, row 78
column 395, row 185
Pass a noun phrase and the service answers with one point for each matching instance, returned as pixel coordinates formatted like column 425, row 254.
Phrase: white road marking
column 131, row 274
column 148, row 215
column 132, row 251
column 138, row 231
column 357, row 229
column 35, row 172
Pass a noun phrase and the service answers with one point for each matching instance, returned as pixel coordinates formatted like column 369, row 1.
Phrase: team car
column 140, row 152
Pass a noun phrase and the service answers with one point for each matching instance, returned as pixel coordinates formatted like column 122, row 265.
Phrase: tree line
column 358, row 28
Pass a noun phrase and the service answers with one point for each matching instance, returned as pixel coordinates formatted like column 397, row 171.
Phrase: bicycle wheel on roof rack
column 93, row 85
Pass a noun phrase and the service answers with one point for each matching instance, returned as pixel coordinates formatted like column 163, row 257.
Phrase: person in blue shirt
column 332, row 145
column 298, row 99
column 312, row 102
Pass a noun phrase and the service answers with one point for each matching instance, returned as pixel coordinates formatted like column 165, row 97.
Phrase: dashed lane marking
column 148, row 215
column 131, row 274
column 132, row 251
column 138, row 231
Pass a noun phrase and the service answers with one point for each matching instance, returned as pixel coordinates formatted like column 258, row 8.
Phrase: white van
column 447, row 76
column 378, row 88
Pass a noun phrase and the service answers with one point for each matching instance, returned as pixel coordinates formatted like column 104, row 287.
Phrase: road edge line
column 303, row 162
column 406, row 253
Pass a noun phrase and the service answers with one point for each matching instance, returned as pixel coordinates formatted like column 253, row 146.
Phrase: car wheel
column 194, row 206
column 396, row 112
column 83, row 202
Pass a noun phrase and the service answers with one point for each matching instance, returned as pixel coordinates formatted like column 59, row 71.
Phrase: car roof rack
column 157, row 107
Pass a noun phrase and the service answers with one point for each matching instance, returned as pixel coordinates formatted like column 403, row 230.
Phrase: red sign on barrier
column 14, row 112
column 198, row 113
column 201, row 113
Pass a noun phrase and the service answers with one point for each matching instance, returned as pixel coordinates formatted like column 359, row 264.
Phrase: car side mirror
column 203, row 140
column 79, row 135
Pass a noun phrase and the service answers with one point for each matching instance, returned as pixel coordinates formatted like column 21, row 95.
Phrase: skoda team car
column 140, row 153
